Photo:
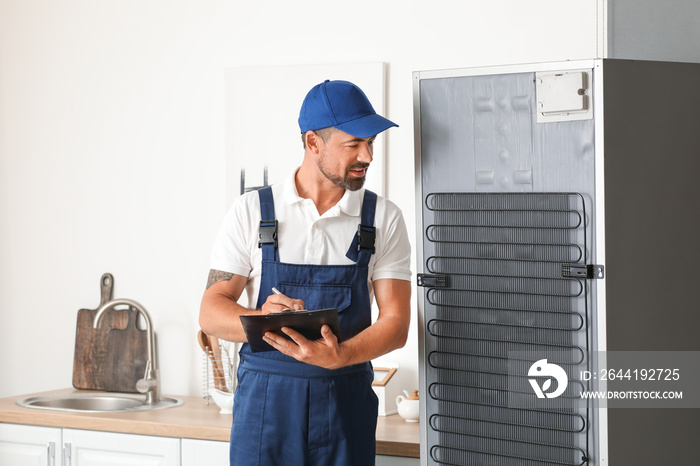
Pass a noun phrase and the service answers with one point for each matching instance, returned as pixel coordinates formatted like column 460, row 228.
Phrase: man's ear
column 313, row 141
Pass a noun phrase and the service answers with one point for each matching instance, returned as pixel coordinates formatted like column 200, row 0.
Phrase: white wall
column 112, row 142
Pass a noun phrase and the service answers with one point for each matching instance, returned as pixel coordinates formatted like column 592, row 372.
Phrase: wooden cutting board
column 112, row 357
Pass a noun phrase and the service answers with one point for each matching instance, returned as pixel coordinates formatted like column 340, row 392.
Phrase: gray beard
column 345, row 182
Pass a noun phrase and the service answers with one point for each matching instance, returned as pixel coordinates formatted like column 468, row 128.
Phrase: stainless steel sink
column 96, row 402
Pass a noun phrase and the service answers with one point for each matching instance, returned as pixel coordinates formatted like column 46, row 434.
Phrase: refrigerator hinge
column 582, row 271
column 432, row 281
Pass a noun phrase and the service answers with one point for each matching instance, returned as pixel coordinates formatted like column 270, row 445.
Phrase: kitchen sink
column 96, row 402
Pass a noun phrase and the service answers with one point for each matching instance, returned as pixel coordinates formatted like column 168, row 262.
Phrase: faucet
column 149, row 383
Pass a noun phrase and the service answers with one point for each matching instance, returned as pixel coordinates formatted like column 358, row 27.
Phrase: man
column 323, row 242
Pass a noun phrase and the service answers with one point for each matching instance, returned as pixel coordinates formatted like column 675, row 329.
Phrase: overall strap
column 362, row 246
column 268, row 225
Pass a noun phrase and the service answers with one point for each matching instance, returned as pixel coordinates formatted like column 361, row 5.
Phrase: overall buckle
column 365, row 237
column 267, row 233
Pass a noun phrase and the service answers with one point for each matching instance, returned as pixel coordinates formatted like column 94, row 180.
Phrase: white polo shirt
column 305, row 237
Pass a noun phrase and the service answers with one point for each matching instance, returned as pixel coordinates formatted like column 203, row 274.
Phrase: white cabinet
column 92, row 448
column 30, row 445
column 22, row 445
column 204, row 453
column 396, row 461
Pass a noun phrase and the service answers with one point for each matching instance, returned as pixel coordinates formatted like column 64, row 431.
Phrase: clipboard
column 308, row 323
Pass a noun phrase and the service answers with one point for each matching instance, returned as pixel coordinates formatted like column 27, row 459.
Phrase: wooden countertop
column 193, row 419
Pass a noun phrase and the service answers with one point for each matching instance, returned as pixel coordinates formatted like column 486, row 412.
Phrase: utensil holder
column 219, row 369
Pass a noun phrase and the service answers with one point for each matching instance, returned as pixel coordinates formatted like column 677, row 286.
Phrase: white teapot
column 409, row 406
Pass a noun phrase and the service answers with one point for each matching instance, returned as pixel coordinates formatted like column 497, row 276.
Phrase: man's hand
column 324, row 352
column 280, row 302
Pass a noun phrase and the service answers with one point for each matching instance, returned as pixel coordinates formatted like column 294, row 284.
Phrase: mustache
column 359, row 166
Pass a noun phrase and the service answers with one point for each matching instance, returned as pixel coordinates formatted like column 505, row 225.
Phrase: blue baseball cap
column 344, row 106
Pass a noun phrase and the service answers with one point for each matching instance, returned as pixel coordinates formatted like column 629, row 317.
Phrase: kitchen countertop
column 193, row 419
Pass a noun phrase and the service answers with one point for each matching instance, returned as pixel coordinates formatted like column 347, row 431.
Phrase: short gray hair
column 323, row 133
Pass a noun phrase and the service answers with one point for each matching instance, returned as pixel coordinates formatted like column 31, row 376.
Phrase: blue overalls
column 291, row 413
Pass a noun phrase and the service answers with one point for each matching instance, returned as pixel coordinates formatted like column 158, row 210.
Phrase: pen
column 276, row 291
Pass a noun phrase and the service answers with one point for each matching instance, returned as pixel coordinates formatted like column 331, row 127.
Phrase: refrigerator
column 557, row 222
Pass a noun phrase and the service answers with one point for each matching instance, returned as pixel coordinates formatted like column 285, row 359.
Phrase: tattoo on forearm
column 216, row 276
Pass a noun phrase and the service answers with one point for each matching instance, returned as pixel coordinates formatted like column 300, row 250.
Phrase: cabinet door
column 22, row 445
column 91, row 448
column 204, row 453
column 396, row 461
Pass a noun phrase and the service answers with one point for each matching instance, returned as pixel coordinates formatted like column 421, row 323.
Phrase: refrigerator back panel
column 506, row 219
column 480, row 134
